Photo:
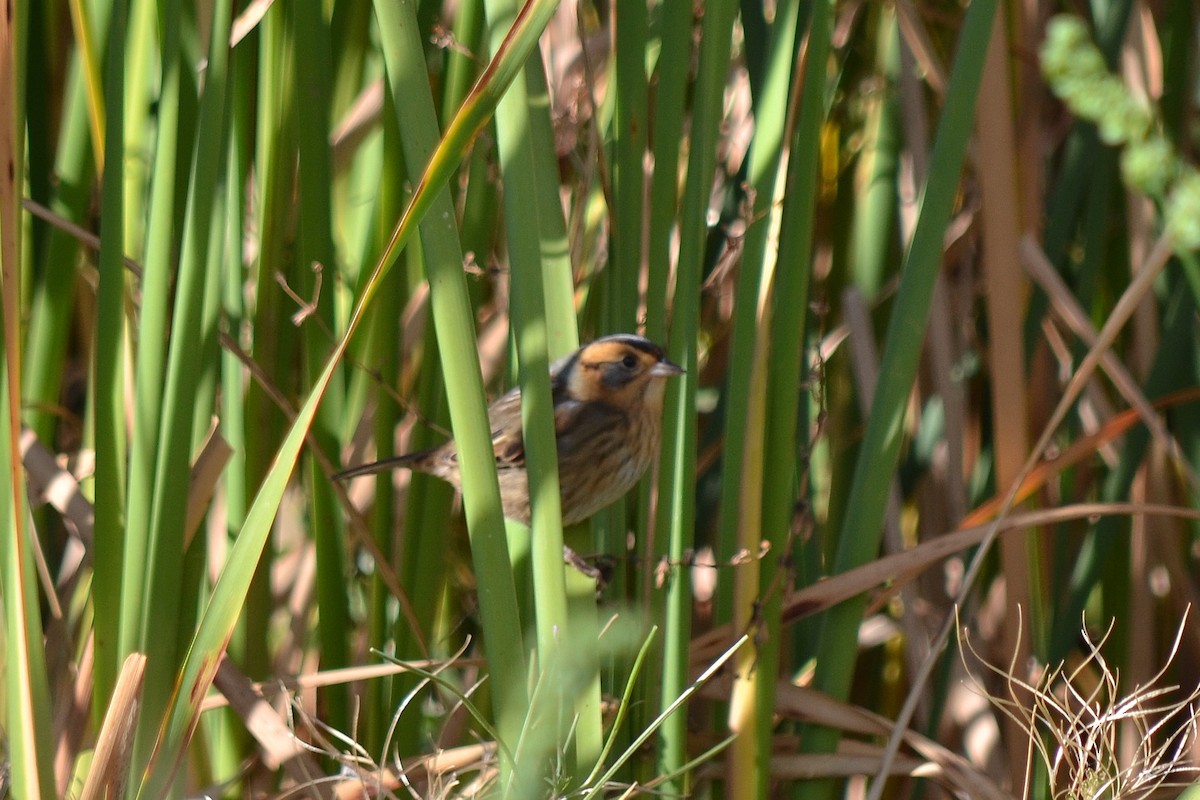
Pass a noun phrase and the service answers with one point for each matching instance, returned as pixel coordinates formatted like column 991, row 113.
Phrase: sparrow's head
column 622, row 370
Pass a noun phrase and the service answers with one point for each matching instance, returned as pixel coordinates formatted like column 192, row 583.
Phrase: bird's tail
column 395, row 462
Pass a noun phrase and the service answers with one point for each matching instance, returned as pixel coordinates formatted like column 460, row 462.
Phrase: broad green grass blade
column 673, row 68
column 140, row 55
column 873, row 245
column 672, row 72
column 455, row 330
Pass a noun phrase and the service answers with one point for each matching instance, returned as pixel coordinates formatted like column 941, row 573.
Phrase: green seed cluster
column 1077, row 73
column 1183, row 211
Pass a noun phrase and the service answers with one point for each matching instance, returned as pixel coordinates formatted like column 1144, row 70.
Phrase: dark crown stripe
column 636, row 342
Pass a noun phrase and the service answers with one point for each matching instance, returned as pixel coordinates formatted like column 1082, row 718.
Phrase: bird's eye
column 629, row 362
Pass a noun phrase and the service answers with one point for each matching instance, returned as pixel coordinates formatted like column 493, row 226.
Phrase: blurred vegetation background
column 925, row 520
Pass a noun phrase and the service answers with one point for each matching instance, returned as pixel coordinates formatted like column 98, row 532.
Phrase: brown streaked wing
column 580, row 424
column 505, row 418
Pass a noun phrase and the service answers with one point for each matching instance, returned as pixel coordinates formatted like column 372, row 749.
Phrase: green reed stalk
column 109, row 392
column 677, row 489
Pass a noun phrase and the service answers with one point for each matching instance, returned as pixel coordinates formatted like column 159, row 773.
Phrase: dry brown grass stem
column 110, row 764
column 897, row 570
column 1067, row 307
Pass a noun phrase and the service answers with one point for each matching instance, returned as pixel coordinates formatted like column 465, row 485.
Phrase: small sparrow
column 608, row 400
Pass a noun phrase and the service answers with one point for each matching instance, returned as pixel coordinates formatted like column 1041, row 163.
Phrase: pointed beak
column 665, row 369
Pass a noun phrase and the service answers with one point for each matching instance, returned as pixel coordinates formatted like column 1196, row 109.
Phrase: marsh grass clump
column 1096, row 738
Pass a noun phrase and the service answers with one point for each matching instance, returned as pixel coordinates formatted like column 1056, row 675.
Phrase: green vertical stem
column 275, row 339
column 760, row 448
column 626, row 228
column 111, row 342
column 272, row 347
column 677, row 489
column 543, row 323
column 158, row 474
column 787, row 337
column 311, row 109
column 248, row 646
column 382, row 354
column 875, row 190
column 671, row 97
column 138, row 89
column 765, row 153
column 528, row 315
column 629, row 179
column 55, row 280
column 462, row 66
column 671, row 78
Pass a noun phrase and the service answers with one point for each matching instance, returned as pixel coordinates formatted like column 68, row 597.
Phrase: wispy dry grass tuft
column 1096, row 738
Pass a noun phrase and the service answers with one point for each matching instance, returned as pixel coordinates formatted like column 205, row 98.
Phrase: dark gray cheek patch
column 616, row 376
